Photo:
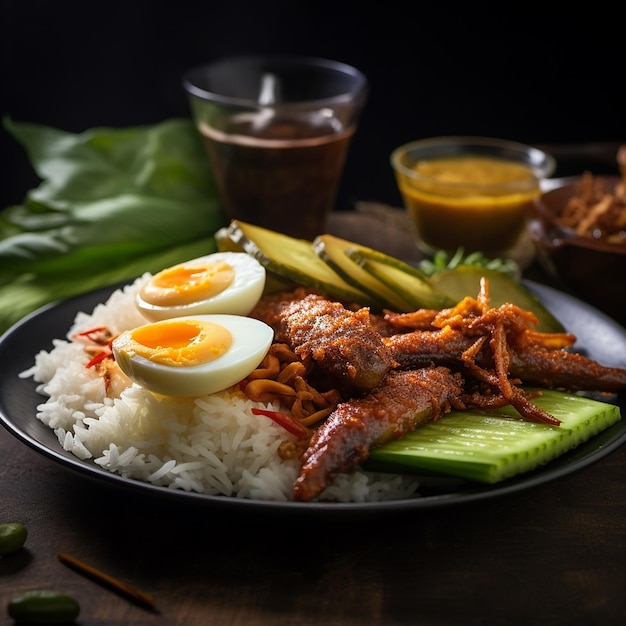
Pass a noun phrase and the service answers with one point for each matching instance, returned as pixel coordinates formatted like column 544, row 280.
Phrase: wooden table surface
column 553, row 554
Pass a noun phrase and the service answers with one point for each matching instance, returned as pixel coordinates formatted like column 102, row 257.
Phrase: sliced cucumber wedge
column 409, row 282
column 224, row 242
column 354, row 273
column 493, row 445
column 293, row 259
column 456, row 284
column 274, row 283
column 334, row 252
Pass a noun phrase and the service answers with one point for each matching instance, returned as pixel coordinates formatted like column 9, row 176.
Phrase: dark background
column 546, row 74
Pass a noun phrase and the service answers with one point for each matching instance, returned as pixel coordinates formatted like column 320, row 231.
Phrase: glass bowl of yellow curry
column 474, row 193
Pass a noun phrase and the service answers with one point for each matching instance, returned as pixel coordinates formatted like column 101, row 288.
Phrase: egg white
column 239, row 298
column 251, row 342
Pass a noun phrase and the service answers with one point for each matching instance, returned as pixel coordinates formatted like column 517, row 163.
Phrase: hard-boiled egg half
column 192, row 355
column 224, row 282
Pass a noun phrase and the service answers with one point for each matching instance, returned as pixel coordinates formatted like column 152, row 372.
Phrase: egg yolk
column 179, row 343
column 185, row 284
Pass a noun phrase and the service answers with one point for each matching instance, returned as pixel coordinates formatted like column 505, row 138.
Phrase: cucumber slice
column 293, row 259
column 333, row 251
column 354, row 273
column 464, row 281
column 409, row 282
column 224, row 243
column 492, row 445
column 273, row 282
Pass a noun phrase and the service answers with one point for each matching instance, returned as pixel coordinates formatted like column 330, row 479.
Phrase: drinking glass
column 277, row 130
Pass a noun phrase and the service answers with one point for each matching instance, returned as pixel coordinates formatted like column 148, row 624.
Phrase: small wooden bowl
column 592, row 269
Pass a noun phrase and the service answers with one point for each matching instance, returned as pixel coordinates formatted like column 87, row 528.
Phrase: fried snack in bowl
column 579, row 231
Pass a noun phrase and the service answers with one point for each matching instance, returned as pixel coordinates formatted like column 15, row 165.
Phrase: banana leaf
column 112, row 204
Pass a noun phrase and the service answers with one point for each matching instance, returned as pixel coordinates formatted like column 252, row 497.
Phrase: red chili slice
column 98, row 358
column 91, row 331
column 286, row 421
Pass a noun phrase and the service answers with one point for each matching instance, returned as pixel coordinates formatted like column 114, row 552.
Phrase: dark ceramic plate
column 598, row 336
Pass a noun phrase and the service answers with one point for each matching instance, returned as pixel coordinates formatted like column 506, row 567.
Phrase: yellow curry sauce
column 480, row 203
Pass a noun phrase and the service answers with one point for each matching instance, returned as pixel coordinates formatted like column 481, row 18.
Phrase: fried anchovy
column 403, row 401
column 343, row 343
column 534, row 365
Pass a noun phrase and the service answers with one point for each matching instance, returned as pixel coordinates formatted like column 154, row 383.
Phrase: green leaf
column 28, row 292
column 112, row 204
column 443, row 261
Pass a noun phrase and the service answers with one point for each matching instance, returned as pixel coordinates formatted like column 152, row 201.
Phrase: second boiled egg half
column 192, row 355
column 223, row 282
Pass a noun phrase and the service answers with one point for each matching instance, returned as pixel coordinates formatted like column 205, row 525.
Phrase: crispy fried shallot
column 595, row 212
column 282, row 376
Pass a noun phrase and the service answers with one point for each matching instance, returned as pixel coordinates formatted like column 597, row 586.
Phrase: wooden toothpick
column 128, row 591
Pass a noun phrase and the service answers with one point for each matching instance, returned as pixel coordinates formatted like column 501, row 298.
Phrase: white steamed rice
column 211, row 444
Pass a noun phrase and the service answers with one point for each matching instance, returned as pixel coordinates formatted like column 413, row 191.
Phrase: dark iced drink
column 282, row 174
